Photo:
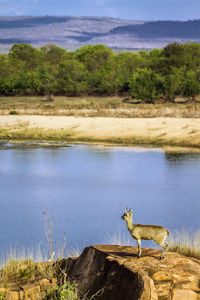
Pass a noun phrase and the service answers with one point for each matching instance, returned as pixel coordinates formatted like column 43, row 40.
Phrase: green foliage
column 97, row 70
column 71, row 78
column 2, row 296
column 52, row 54
column 24, row 55
column 190, row 84
column 93, row 57
column 145, row 84
column 67, row 291
column 13, row 112
column 172, row 84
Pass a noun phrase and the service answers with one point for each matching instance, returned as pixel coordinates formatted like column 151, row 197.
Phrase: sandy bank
column 179, row 131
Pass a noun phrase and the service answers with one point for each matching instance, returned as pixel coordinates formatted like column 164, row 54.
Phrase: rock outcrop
column 115, row 272
column 30, row 290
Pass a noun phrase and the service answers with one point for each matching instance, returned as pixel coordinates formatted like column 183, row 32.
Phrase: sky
column 123, row 9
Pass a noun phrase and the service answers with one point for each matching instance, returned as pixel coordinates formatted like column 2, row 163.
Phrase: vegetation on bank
column 97, row 70
column 23, row 133
column 94, row 106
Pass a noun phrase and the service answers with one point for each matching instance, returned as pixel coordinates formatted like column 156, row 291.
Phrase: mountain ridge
column 73, row 32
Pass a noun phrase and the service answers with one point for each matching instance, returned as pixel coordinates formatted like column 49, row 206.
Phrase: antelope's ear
column 130, row 210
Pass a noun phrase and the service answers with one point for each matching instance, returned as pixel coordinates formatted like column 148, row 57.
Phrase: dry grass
column 186, row 243
column 96, row 106
column 120, row 239
column 23, row 133
column 20, row 254
column 17, row 270
column 18, row 265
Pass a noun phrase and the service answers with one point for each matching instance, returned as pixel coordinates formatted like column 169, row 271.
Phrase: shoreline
column 157, row 132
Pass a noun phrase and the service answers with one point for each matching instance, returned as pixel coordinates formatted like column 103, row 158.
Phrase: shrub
column 13, row 112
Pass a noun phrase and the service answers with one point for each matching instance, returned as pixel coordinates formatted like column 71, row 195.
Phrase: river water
column 84, row 190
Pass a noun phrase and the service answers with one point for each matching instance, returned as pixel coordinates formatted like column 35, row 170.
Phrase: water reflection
column 181, row 157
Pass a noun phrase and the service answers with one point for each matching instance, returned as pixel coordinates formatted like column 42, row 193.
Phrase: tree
column 47, row 80
column 172, row 84
column 52, row 54
column 174, row 57
column 24, row 56
column 190, row 84
column 122, row 68
column 145, row 84
column 93, row 57
column 71, row 78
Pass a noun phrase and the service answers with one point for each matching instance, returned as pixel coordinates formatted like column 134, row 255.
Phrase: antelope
column 146, row 232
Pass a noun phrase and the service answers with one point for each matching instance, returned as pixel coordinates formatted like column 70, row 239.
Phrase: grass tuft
column 21, row 133
column 17, row 270
column 186, row 244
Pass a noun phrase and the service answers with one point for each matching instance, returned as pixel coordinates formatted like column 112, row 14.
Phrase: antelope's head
column 127, row 214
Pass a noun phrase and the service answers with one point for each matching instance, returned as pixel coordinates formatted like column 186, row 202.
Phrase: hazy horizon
column 146, row 10
column 93, row 16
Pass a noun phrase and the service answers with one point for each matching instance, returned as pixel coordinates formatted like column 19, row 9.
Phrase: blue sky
column 124, row 9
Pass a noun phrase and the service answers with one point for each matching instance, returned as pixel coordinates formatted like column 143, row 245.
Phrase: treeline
column 97, row 70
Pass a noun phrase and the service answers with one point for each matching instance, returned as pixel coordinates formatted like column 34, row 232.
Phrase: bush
column 13, row 112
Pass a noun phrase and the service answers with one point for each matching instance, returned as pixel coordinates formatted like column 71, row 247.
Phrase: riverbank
column 130, row 131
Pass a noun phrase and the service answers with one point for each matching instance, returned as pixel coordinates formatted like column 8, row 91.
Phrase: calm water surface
column 85, row 190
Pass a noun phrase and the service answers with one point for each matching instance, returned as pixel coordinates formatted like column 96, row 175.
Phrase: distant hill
column 73, row 32
column 162, row 29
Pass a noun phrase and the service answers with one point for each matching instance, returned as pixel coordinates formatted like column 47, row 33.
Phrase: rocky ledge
column 115, row 272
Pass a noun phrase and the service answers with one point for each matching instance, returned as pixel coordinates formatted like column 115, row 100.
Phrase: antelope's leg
column 164, row 245
column 139, row 248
